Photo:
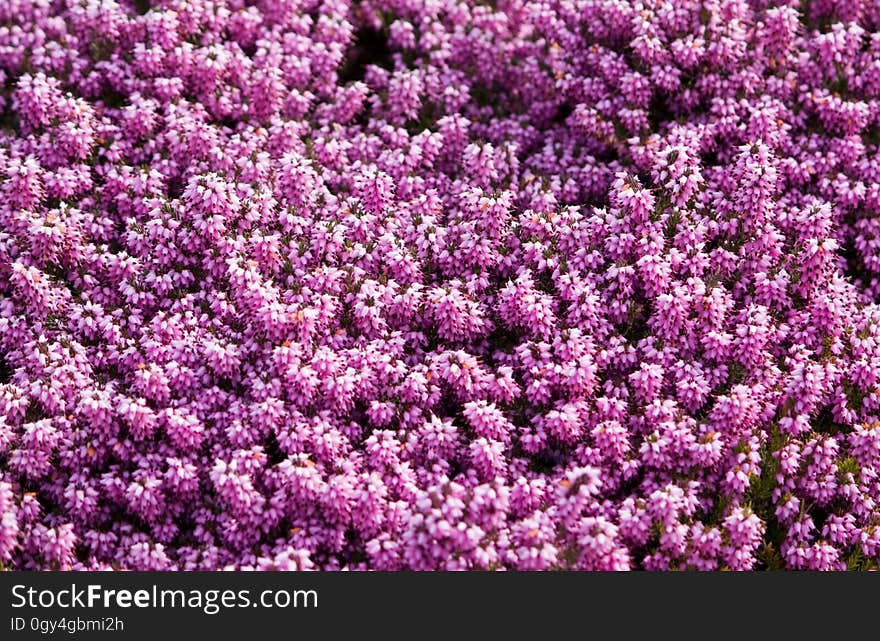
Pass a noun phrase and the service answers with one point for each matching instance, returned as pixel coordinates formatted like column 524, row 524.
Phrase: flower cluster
column 528, row 284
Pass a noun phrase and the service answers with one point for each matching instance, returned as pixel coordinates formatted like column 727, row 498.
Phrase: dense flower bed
column 435, row 284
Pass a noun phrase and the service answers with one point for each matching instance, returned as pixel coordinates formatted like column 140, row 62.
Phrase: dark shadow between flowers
column 370, row 47
column 5, row 371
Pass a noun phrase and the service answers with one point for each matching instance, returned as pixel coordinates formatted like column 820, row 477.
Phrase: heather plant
column 386, row 285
